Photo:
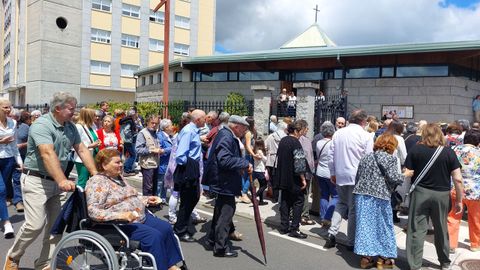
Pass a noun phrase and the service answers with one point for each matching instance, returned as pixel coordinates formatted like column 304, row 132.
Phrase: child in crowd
column 259, row 169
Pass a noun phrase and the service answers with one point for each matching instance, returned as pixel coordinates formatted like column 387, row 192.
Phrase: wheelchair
column 101, row 245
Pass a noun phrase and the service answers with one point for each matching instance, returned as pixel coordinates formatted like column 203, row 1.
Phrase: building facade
column 431, row 81
column 92, row 48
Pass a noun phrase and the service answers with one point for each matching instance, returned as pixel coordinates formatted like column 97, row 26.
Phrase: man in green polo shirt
column 44, row 183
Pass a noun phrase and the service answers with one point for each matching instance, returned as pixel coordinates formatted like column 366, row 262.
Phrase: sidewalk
column 463, row 258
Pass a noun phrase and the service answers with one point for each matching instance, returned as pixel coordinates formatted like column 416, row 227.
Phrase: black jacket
column 222, row 171
column 187, row 175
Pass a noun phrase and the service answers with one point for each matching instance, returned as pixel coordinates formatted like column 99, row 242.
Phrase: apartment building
column 92, row 48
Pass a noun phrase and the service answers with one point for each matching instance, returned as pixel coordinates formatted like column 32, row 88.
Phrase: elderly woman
column 374, row 234
column 107, row 135
column 328, row 191
column 9, row 159
column 430, row 197
column 165, row 137
column 468, row 155
column 148, row 150
column 290, row 174
column 109, row 197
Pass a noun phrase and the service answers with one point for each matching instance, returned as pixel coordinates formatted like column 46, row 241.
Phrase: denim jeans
column 7, row 166
column 161, row 190
column 130, row 160
column 17, row 187
column 328, row 198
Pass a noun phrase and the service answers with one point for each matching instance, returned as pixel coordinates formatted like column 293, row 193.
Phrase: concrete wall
column 442, row 99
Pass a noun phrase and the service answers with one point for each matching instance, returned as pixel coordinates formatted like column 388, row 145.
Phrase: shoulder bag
column 425, row 169
column 395, row 198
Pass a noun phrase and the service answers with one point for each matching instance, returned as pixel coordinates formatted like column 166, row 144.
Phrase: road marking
column 205, row 212
column 284, row 236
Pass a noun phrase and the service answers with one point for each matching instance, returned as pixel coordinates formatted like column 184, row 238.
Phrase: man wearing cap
column 224, row 170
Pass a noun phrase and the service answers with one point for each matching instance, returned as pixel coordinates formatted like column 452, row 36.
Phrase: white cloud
column 266, row 24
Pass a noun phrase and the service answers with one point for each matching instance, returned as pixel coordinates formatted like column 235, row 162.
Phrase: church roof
column 314, row 36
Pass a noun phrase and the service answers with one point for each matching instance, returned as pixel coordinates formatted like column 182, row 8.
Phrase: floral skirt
column 374, row 234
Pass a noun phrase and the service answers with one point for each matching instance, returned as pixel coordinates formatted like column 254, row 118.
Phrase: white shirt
column 10, row 150
column 322, row 166
column 259, row 164
column 400, row 152
column 349, row 145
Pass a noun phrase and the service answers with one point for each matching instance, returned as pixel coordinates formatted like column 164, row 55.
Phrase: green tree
column 235, row 104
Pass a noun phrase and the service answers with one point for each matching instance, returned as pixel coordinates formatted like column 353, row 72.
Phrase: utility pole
column 166, row 51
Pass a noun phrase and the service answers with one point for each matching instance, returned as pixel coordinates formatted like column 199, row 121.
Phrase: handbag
column 395, row 197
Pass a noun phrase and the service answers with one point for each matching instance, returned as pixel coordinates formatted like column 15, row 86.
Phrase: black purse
column 395, row 198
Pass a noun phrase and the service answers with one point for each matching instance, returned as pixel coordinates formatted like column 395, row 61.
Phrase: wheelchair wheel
column 84, row 250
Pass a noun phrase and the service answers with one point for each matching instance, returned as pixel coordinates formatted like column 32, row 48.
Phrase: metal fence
column 329, row 108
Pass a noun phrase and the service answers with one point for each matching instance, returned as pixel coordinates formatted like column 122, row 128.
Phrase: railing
column 329, row 108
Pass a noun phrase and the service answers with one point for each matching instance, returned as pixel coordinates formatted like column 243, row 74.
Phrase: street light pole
column 166, row 52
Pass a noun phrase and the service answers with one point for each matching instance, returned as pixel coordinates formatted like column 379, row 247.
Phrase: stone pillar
column 262, row 95
column 306, row 104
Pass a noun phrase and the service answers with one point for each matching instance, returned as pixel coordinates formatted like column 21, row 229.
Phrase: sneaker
column 172, row 221
column 475, row 249
column 8, row 230
column 331, row 242
column 10, row 264
column 244, row 199
column 128, row 174
column 445, row 266
column 19, row 206
column 452, row 251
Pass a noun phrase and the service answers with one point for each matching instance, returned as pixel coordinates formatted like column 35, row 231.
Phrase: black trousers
column 291, row 199
column 222, row 224
column 188, row 199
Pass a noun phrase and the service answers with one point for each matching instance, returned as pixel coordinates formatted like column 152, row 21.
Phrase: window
column 100, row 67
column 422, row 71
column 258, row 76
column 99, row 35
column 308, row 76
column 357, row 73
column 105, row 5
column 178, row 76
column 128, row 70
column 388, row 72
column 337, row 73
column 156, row 45
column 150, row 79
column 158, row 16
column 143, row 80
column 182, row 22
column 159, row 78
column 131, row 11
column 130, row 41
column 214, row 76
column 181, row 49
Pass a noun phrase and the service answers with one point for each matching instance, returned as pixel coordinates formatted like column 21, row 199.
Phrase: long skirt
column 374, row 234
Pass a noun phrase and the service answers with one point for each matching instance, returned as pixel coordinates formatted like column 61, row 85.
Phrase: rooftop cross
column 316, row 12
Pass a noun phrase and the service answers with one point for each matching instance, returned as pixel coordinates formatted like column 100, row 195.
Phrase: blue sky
column 252, row 25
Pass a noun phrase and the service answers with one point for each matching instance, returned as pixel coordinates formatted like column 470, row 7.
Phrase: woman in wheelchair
column 110, row 198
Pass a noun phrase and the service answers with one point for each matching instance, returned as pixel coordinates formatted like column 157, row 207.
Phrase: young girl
column 259, row 168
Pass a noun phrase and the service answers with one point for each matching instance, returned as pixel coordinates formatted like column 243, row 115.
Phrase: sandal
column 366, row 262
column 385, row 263
column 307, row 221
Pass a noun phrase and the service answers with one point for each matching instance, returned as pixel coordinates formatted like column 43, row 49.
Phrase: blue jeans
column 156, row 237
column 246, row 177
column 130, row 149
column 161, row 190
column 17, row 187
column 7, row 165
column 328, row 198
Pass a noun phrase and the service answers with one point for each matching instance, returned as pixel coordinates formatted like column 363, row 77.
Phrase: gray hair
column 411, row 127
column 223, row 117
column 464, row 123
column 165, row 123
column 327, row 129
column 358, row 116
column 273, row 118
column 213, row 114
column 282, row 125
column 59, row 99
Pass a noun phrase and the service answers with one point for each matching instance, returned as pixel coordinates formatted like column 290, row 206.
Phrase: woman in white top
column 9, row 158
column 88, row 135
column 328, row 191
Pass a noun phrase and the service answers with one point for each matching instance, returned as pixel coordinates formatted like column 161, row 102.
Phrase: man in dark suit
column 224, row 170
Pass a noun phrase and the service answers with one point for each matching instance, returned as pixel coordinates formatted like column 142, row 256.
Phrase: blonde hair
column 86, row 117
column 432, row 136
column 372, row 127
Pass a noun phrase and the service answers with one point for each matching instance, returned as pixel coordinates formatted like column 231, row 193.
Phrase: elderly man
column 187, row 172
column 224, row 169
column 340, row 123
column 50, row 139
column 272, row 127
column 348, row 146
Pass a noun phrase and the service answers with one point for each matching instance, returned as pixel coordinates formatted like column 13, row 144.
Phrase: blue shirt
column 189, row 144
column 476, row 105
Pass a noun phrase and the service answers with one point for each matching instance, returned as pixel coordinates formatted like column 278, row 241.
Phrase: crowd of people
column 361, row 170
